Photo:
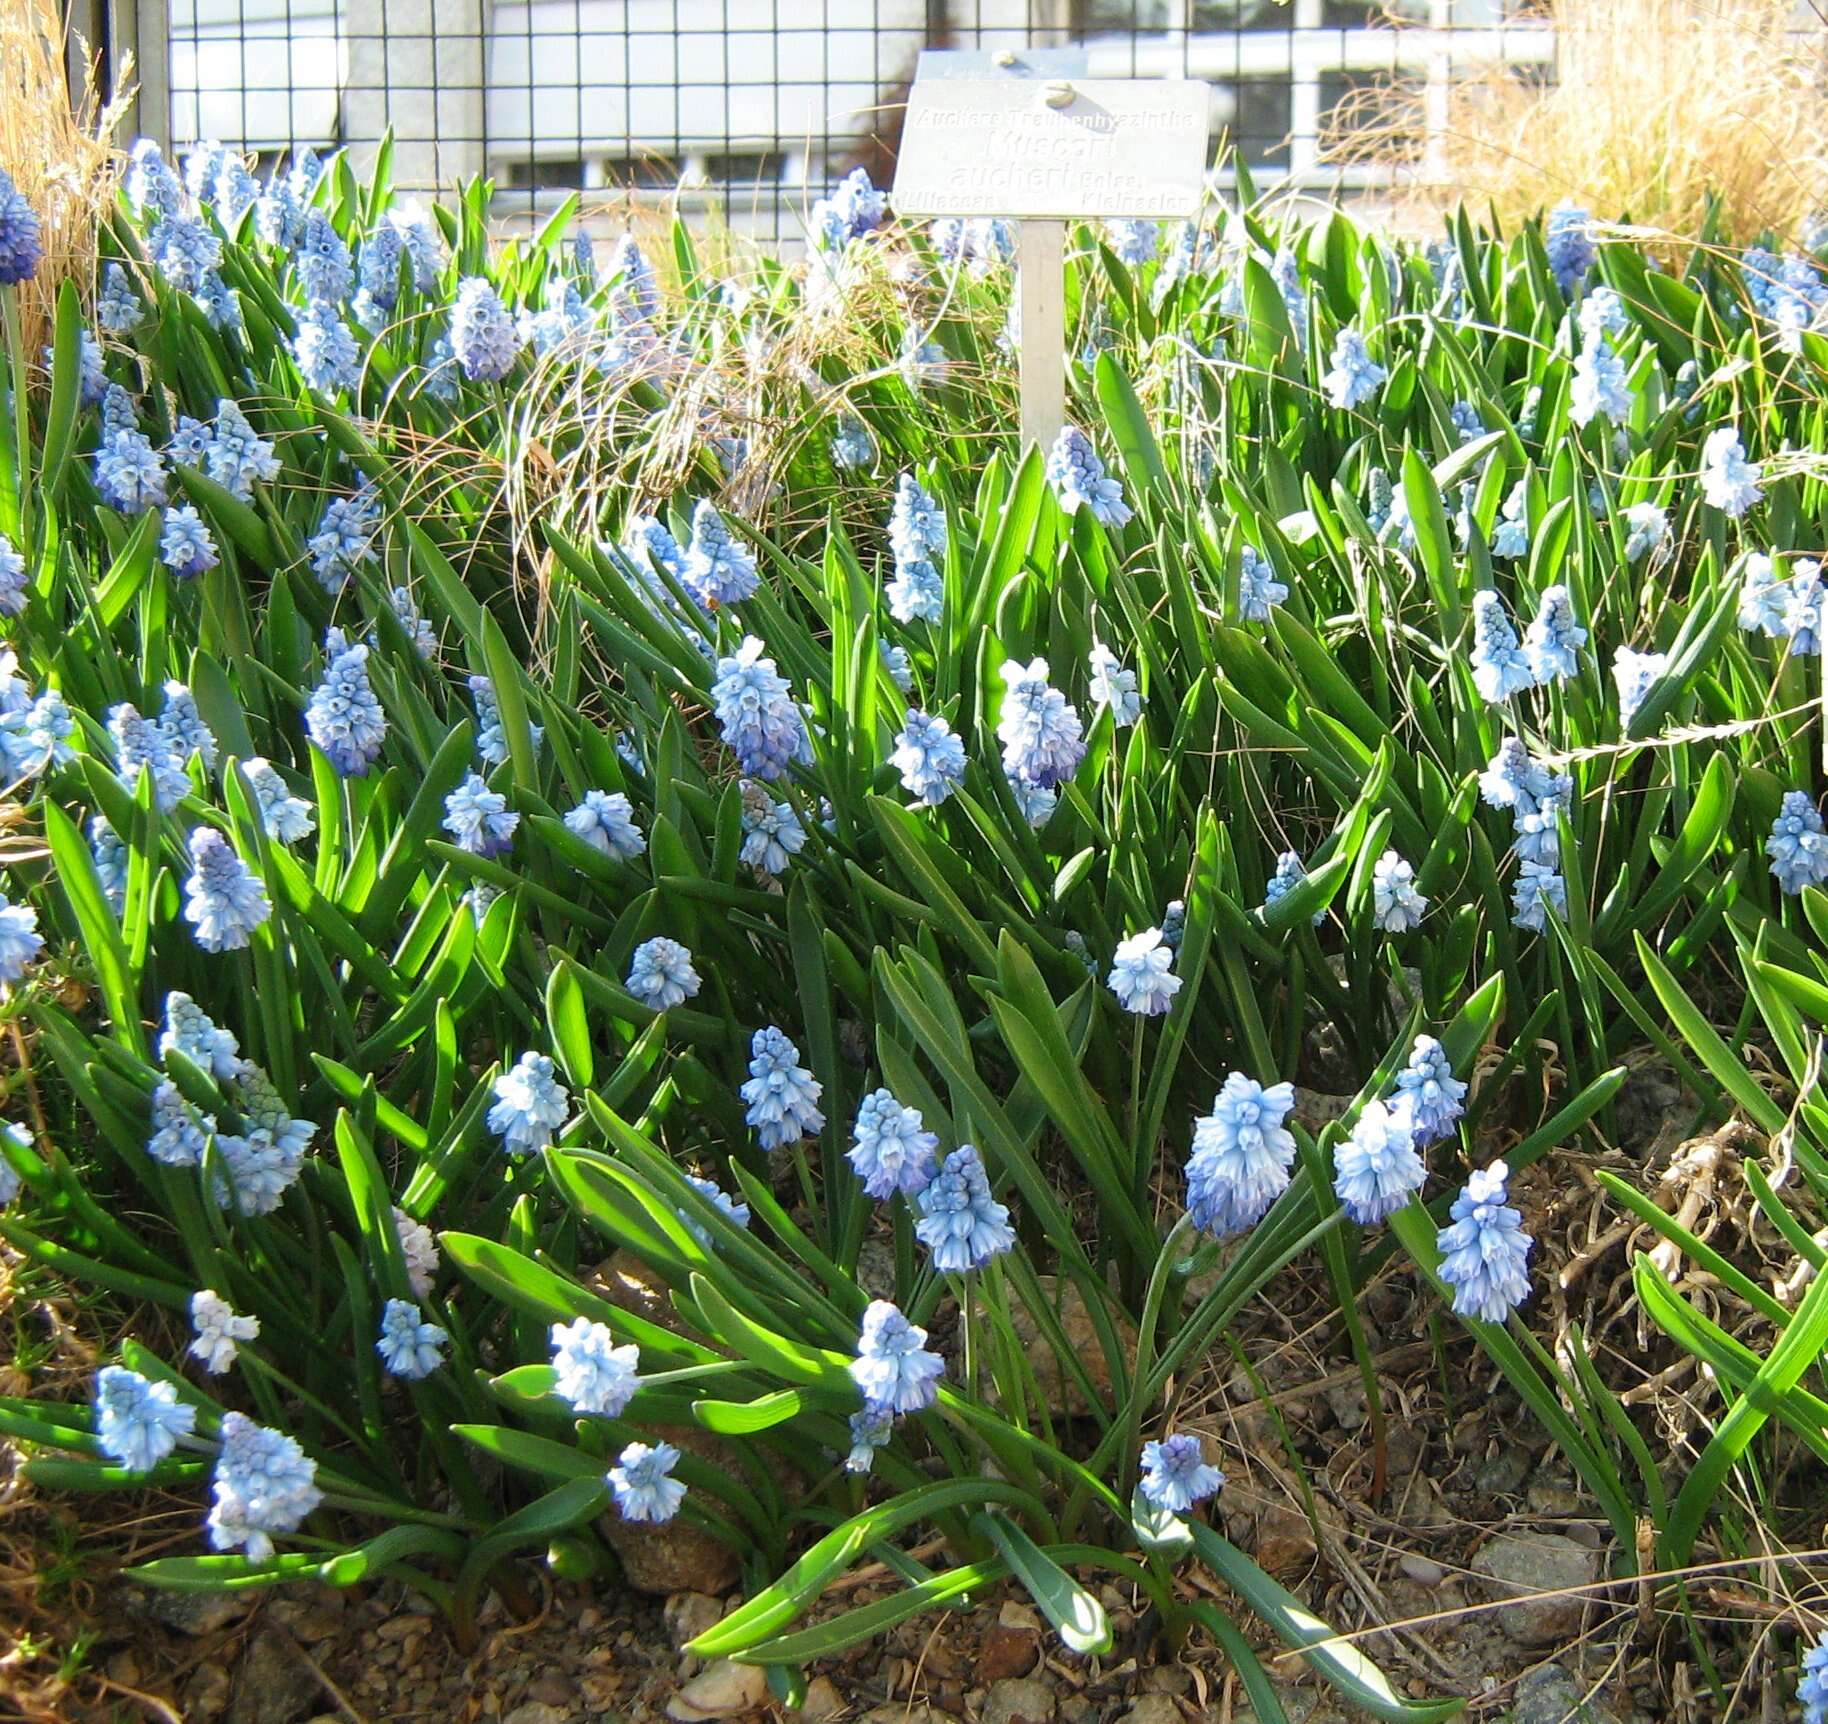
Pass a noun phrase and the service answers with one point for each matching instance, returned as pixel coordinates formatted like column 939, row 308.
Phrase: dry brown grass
column 59, row 150
column 1657, row 108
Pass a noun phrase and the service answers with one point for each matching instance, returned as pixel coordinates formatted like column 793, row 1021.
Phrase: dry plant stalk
column 58, row 145
column 1657, row 109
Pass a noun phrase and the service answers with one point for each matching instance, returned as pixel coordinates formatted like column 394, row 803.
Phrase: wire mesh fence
column 751, row 107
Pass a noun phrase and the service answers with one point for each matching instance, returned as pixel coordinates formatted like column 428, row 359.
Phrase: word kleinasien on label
column 1000, row 147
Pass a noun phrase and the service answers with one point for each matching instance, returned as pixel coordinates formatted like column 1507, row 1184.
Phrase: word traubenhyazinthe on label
column 1100, row 147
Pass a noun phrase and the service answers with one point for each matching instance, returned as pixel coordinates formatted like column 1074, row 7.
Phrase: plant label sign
column 1046, row 152
column 1053, row 149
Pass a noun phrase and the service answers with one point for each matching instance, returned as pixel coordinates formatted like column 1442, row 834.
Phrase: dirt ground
column 1485, row 1561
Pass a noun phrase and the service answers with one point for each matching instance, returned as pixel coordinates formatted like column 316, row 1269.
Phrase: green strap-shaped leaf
column 752, row 1623
column 1128, row 425
column 100, row 933
column 567, row 1024
column 1077, row 1616
column 1797, row 1350
column 1338, row 1661
column 531, row 1454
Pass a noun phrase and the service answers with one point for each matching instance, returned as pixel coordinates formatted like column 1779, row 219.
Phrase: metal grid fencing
column 746, row 107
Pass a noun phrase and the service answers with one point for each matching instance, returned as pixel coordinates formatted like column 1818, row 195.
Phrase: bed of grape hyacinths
column 826, row 854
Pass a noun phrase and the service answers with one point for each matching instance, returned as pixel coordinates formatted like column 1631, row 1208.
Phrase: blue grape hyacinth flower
column 1599, row 388
column 1133, row 241
column 896, row 662
column 1079, row 480
column 782, row 1095
column 1728, row 480
column 264, row 1484
column 1798, row 847
column 344, row 718
column 190, row 1031
column 719, row 569
column 917, row 523
column 916, row 592
column 1567, row 237
column 1043, row 740
column 1485, row 1252
column 1289, row 872
column 1354, row 376
column 20, row 245
column 891, row 1149
column 1259, row 592
column 325, row 351
column 217, row 1331
column 1114, row 686
column 139, row 742
column 761, row 724
column 129, row 473
column 591, row 1373
column 347, row 536
column 605, row 820
column 409, row 1346
column 151, row 187
column 773, row 833
column 1241, row 1156
column 284, row 818
column 854, row 208
column 1633, row 674
column 660, row 974
column 20, row 941
column 491, row 734
column 321, row 261
column 238, row 455
column 1396, row 906
column 185, row 544
column 224, row 900
column 1647, row 530
column 642, row 1484
column 1803, row 609
column 1429, row 1093
column 732, row 1209
column 1511, row 531
column 1176, row 1474
column 960, row 1222
column 179, row 1133
column 419, row 631
column 929, row 758
column 892, row 1369
column 852, row 447
column 1537, row 892
column 1500, row 668
column 1764, row 597
column 530, row 1105
column 110, row 857
column 871, row 1429
column 1812, row 1690
column 484, row 340
column 1554, row 638
column 479, row 819
column 182, row 726
column 1376, row 1168
column 138, row 1422
column 1142, row 974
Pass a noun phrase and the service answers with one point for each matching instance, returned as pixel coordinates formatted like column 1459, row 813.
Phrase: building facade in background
column 749, row 106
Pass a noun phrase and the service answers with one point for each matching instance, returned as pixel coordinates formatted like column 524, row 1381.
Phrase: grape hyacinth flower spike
column 893, row 1370
column 1485, row 1252
column 1176, row 1474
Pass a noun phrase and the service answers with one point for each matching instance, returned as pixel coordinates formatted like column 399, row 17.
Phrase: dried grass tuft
column 1658, row 111
column 58, row 145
